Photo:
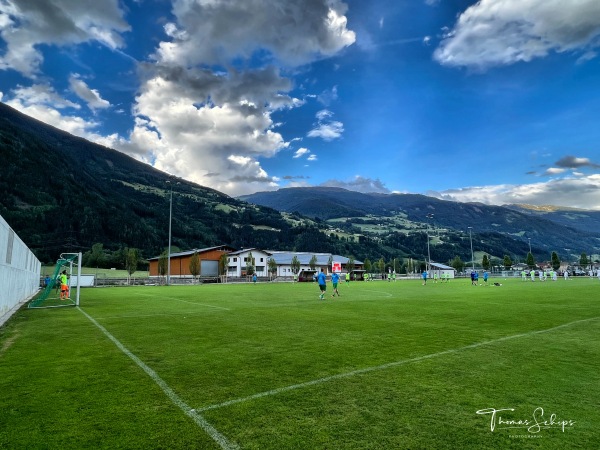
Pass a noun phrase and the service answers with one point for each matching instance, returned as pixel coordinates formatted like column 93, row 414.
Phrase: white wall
column 19, row 271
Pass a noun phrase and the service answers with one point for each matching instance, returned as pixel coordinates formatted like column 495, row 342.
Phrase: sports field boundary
column 196, row 413
column 188, row 411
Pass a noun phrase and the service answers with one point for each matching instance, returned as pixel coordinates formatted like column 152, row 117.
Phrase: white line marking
column 387, row 294
column 385, row 366
column 185, row 301
column 192, row 413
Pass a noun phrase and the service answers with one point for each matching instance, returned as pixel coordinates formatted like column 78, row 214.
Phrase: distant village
column 225, row 263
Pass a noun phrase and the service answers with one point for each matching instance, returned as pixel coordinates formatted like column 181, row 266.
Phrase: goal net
column 63, row 286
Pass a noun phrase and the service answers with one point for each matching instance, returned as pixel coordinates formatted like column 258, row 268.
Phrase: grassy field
column 270, row 366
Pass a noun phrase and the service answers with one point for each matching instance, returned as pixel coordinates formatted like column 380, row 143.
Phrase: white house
column 442, row 271
column 323, row 261
column 237, row 262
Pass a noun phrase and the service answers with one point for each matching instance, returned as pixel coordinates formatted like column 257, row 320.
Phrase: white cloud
column 493, row 32
column 43, row 103
column 328, row 97
column 196, row 115
column 327, row 131
column 301, row 152
column 26, row 24
column 214, row 145
column 580, row 192
column 323, row 114
column 554, row 171
column 312, row 158
column 574, row 162
column 305, row 30
column 214, row 127
column 90, row 96
column 360, row 184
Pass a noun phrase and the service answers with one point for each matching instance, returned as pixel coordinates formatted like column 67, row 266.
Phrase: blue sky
column 494, row 101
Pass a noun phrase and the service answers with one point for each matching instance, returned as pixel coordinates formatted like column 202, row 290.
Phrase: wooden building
column 180, row 262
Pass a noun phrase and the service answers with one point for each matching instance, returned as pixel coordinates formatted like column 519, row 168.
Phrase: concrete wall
column 19, row 272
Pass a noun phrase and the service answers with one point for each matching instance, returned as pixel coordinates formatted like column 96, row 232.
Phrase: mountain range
column 569, row 232
column 62, row 193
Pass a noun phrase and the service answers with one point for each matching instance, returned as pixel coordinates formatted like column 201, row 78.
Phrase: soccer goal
column 56, row 293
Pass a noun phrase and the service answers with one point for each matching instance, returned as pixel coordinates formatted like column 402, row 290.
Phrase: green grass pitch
column 270, row 366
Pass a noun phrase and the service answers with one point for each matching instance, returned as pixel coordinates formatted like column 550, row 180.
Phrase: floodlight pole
column 529, row 239
column 169, row 249
column 472, row 257
column 429, row 216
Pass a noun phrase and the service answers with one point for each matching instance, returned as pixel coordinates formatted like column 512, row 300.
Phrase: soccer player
column 335, row 279
column 424, row 275
column 348, row 278
column 64, row 287
column 485, row 277
column 322, row 280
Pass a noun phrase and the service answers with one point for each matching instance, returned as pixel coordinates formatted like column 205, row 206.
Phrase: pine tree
column 555, row 261
column 530, row 261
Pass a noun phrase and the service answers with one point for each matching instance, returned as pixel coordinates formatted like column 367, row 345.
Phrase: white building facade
column 237, row 262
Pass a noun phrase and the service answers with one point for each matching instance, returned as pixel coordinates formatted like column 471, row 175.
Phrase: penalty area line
column 192, row 413
column 386, row 366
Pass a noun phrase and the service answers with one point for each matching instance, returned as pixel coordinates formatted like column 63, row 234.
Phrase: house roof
column 246, row 250
column 282, row 257
column 225, row 248
column 441, row 266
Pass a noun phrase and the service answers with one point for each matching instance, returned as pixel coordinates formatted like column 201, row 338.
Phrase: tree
column 250, row 264
column 350, row 265
column 367, row 264
column 555, row 261
column 583, row 260
column 485, row 262
column 330, row 261
column 162, row 264
column 381, row 265
column 272, row 264
column 223, row 264
column 457, row 264
column 313, row 262
column 295, row 265
column 96, row 257
column 131, row 262
column 530, row 261
column 410, row 266
column 507, row 262
column 195, row 265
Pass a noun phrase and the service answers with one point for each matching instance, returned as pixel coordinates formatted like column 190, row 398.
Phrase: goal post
column 53, row 294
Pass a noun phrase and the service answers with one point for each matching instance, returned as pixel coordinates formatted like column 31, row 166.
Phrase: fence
column 19, row 272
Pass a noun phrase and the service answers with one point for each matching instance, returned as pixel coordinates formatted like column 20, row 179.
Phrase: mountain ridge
column 545, row 229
